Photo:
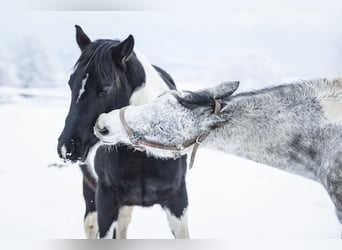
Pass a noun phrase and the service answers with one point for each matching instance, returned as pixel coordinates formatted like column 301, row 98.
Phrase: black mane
column 98, row 55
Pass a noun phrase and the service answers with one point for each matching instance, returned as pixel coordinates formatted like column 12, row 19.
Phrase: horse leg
column 90, row 217
column 333, row 185
column 176, row 212
column 107, row 210
column 125, row 214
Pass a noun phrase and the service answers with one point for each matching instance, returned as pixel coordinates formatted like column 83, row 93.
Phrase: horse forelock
column 97, row 56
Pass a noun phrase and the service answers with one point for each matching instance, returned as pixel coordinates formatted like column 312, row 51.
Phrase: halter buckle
column 179, row 148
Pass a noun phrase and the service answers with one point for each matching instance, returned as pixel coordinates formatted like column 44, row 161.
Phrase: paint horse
column 295, row 127
column 109, row 75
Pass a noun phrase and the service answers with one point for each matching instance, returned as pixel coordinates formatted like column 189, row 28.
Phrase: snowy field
column 229, row 197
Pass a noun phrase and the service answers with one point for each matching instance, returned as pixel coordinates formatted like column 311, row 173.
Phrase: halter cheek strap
column 202, row 136
column 139, row 143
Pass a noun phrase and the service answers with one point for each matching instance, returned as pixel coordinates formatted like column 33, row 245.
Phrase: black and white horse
column 109, row 75
column 295, row 127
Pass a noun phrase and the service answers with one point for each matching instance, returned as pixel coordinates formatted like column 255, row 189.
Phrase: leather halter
column 139, row 143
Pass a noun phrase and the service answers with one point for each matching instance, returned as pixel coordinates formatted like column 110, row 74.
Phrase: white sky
column 173, row 5
column 256, row 47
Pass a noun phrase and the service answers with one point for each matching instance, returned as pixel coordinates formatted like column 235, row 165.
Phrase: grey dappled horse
column 295, row 127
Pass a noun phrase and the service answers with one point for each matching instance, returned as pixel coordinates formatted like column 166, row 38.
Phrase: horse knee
column 90, row 225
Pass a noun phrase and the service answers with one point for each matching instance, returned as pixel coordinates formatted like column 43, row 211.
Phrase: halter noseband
column 139, row 143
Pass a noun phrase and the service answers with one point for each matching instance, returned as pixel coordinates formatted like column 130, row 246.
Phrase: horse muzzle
column 101, row 131
column 70, row 150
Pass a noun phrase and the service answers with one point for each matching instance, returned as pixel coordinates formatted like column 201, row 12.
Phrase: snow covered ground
column 229, row 197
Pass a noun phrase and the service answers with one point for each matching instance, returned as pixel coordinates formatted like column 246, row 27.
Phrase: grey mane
column 287, row 93
column 304, row 88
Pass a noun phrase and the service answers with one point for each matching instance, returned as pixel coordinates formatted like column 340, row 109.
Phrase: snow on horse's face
column 100, row 83
column 171, row 119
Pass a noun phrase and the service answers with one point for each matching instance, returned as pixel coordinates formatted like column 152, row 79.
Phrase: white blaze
column 82, row 89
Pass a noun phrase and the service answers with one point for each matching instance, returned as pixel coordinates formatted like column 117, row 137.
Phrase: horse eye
column 102, row 93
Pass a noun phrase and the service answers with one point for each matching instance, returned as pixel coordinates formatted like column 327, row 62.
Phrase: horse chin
column 83, row 158
column 74, row 158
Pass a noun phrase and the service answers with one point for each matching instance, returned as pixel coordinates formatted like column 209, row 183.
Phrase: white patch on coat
column 82, row 89
column 90, row 159
column 178, row 226
column 63, row 151
column 91, row 227
column 110, row 232
column 124, row 218
column 154, row 85
column 332, row 108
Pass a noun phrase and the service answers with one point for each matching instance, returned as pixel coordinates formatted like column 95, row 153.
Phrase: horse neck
column 153, row 86
column 264, row 127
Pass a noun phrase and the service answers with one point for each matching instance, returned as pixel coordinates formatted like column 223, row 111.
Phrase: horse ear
column 123, row 50
column 224, row 89
column 81, row 38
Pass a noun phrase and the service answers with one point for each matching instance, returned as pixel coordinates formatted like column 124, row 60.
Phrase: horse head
column 172, row 119
column 104, row 78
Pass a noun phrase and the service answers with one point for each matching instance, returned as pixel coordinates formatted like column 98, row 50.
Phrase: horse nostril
column 103, row 131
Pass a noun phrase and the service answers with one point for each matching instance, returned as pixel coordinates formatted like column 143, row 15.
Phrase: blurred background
column 198, row 48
